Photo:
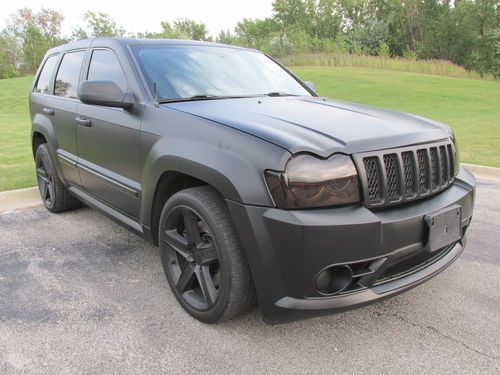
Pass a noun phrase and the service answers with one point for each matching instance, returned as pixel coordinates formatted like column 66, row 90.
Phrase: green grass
column 16, row 161
column 471, row 107
column 435, row 67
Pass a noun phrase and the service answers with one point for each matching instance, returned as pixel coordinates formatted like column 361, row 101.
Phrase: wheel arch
column 191, row 164
column 170, row 182
column 42, row 131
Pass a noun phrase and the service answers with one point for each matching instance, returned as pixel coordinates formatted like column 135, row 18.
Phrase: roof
column 123, row 42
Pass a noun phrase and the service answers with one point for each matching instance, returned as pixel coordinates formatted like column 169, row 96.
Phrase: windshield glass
column 183, row 71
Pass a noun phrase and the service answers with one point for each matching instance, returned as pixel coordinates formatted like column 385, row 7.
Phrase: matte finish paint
column 113, row 159
column 288, row 248
column 317, row 125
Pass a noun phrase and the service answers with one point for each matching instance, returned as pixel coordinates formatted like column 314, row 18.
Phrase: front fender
column 236, row 174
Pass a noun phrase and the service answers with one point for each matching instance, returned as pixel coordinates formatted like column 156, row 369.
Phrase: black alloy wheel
column 202, row 256
column 45, row 182
column 192, row 259
column 55, row 196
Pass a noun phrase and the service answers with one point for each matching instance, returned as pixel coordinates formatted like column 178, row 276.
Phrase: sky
column 146, row 15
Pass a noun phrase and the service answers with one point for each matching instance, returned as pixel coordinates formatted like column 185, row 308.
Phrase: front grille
column 399, row 175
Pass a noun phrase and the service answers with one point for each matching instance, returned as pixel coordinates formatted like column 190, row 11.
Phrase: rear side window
column 104, row 66
column 68, row 74
column 42, row 86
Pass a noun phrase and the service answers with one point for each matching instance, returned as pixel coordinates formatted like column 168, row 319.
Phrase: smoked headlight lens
column 312, row 182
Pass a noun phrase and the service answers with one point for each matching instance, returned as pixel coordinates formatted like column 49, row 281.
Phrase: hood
column 317, row 125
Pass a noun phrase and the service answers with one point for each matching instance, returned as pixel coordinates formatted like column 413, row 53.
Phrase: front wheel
column 202, row 257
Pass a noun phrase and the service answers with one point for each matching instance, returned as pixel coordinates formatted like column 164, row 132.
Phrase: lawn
column 16, row 160
column 470, row 107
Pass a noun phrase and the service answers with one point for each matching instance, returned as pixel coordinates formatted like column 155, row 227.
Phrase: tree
column 226, row 37
column 98, row 24
column 181, row 29
column 256, row 33
column 193, row 30
column 31, row 35
column 9, row 56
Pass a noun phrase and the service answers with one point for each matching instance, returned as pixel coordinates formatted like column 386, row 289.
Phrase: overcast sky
column 146, row 15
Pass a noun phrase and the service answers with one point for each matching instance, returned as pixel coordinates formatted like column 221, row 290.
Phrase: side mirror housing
column 310, row 85
column 104, row 93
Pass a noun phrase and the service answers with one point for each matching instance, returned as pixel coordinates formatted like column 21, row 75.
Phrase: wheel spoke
column 206, row 283
column 42, row 184
column 191, row 226
column 208, row 252
column 42, row 174
column 177, row 242
column 46, row 191
column 186, row 278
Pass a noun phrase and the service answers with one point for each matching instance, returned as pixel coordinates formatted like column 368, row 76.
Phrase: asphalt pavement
column 80, row 294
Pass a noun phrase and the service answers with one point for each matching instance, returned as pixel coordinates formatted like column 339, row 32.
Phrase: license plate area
column 444, row 227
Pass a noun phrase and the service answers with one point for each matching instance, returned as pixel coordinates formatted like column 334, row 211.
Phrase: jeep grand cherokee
column 255, row 189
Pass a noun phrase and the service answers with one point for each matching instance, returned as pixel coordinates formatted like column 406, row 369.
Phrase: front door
column 108, row 142
column 61, row 110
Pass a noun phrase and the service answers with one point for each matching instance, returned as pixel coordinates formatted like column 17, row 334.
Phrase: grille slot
column 434, row 168
column 423, row 175
column 409, row 173
column 399, row 175
column 451, row 158
column 372, row 169
column 392, row 173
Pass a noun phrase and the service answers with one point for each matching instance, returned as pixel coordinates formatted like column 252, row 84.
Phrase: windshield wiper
column 194, row 98
column 279, row 93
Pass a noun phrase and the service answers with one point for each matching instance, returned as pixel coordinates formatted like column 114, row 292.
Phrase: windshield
column 202, row 72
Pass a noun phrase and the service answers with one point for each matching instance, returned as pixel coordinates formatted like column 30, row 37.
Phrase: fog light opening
column 333, row 280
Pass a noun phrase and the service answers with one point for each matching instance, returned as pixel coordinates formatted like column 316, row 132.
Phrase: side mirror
column 310, row 85
column 105, row 93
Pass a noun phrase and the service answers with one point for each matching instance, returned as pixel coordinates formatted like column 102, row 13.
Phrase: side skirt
column 109, row 211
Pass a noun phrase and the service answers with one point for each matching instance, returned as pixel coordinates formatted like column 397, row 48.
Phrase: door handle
column 83, row 121
column 49, row 111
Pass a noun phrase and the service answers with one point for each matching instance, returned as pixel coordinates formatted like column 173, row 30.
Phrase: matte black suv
column 254, row 188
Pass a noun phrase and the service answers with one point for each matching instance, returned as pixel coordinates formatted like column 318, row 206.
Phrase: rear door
column 108, row 143
column 61, row 107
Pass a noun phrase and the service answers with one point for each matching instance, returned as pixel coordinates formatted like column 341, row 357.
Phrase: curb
column 18, row 200
column 483, row 172
column 23, row 199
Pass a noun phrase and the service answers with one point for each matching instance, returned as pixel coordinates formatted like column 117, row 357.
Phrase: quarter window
column 69, row 74
column 104, row 66
column 42, row 86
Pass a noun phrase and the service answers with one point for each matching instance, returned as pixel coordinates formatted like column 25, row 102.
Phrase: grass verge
column 435, row 67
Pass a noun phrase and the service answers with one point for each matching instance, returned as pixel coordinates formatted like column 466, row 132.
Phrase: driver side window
column 104, row 66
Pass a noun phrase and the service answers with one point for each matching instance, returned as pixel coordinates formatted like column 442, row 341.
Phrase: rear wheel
column 202, row 257
column 55, row 196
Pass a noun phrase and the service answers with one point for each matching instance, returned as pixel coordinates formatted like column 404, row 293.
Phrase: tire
column 55, row 196
column 202, row 257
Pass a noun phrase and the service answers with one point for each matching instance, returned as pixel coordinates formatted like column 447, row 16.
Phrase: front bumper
column 287, row 249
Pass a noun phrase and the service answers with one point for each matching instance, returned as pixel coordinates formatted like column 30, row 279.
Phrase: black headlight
column 312, row 182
